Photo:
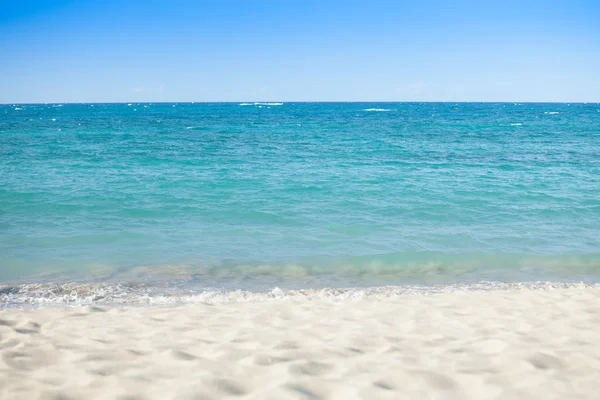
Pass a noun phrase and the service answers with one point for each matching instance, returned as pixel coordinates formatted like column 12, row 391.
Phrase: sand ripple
column 511, row 344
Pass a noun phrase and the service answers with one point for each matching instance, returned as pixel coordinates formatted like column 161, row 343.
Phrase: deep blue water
column 299, row 194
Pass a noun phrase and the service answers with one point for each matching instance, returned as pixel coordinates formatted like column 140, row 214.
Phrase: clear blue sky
column 303, row 50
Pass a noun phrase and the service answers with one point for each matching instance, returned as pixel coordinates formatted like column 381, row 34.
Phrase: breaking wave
column 377, row 275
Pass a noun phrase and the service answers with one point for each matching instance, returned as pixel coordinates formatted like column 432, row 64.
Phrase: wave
column 260, row 105
column 516, row 124
column 551, row 112
column 83, row 294
column 225, row 281
column 377, row 109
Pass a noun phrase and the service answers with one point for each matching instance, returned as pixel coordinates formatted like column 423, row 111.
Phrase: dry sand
column 519, row 344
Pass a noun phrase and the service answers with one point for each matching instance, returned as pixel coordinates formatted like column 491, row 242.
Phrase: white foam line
column 73, row 294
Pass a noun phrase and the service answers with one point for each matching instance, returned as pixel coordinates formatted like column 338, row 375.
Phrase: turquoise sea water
column 299, row 194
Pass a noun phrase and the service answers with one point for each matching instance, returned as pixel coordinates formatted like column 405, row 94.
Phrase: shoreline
column 480, row 344
column 115, row 294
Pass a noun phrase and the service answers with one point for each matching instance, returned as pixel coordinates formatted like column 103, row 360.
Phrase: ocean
column 132, row 202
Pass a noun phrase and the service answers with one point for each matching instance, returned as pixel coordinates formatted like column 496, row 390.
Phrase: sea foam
column 84, row 294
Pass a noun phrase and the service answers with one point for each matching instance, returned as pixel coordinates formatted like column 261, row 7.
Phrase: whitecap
column 129, row 105
column 377, row 109
column 551, row 112
column 18, row 108
column 268, row 104
column 516, row 124
column 245, row 104
column 53, row 119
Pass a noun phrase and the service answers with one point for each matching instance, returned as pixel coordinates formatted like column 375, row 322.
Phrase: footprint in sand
column 311, row 368
column 26, row 361
column 230, row 387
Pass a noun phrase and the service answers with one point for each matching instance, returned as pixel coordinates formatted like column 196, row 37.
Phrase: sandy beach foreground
column 515, row 344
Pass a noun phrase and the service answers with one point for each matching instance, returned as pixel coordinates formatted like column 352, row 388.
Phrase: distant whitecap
column 516, row 124
column 377, row 109
column 268, row 104
column 551, row 112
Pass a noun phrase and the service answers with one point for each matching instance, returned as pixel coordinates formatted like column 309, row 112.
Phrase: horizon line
column 298, row 102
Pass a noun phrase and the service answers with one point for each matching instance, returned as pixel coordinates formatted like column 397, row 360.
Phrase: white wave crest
column 551, row 112
column 268, row 104
column 377, row 109
column 516, row 124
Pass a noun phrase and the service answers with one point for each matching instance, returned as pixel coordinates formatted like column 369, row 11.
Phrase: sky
column 299, row 50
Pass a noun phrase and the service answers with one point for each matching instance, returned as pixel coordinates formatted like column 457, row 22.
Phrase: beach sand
column 502, row 344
